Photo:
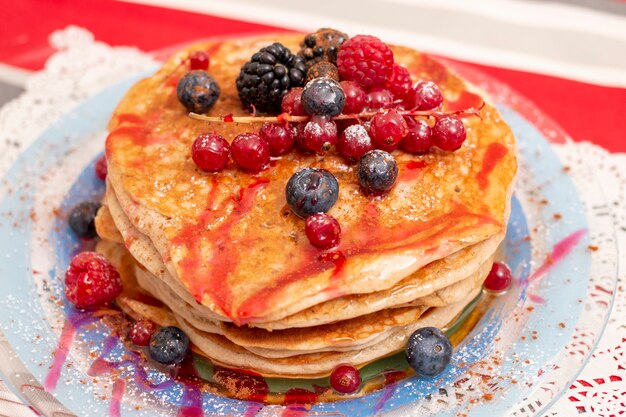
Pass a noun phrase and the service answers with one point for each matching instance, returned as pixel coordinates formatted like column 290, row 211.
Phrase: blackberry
column 322, row 45
column 268, row 76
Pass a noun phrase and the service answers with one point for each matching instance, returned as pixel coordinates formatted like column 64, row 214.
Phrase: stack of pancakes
column 231, row 263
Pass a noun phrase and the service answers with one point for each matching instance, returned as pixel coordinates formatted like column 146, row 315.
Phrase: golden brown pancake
column 227, row 238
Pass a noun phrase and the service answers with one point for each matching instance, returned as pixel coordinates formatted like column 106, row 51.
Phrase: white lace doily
column 82, row 66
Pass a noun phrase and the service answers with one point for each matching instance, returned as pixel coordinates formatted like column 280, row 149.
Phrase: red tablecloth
column 586, row 111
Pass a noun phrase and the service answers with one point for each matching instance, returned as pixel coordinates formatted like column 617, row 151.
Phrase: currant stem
column 284, row 117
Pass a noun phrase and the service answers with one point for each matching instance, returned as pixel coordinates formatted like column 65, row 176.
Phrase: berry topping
column 400, row 82
column 426, row 95
column 366, row 60
column 141, row 331
column 322, row 69
column 268, row 75
column 320, row 134
column 210, row 152
column 355, row 97
column 419, row 138
column 310, row 191
column 322, row 45
column 377, row 171
column 323, row 97
column 197, row 91
column 199, row 60
column 388, row 129
column 251, row 152
column 169, row 345
column 82, row 219
column 323, row 230
column 101, row 168
column 292, row 102
column 428, row 351
column 298, row 135
column 279, row 136
column 91, row 281
column 449, row 133
column 345, row 379
column 354, row 142
column 499, row 278
column 379, row 98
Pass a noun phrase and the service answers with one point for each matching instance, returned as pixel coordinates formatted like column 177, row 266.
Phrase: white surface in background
column 544, row 37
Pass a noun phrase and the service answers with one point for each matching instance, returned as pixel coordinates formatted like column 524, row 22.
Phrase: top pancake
column 229, row 237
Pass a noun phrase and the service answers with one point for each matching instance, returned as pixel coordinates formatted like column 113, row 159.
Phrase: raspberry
column 400, row 82
column 91, row 281
column 366, row 60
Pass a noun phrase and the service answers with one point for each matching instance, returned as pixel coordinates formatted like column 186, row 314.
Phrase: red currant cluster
column 374, row 106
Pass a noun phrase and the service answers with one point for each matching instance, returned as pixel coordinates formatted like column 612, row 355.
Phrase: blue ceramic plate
column 520, row 346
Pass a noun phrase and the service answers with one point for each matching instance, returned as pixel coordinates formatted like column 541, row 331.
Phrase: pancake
column 226, row 239
column 426, row 281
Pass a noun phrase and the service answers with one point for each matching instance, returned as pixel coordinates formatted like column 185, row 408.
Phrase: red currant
column 345, row 379
column 292, row 102
column 388, row 129
column 199, row 60
column 141, row 331
column 449, row 133
column 101, row 168
column 251, row 152
column 320, row 134
column 91, row 281
column 279, row 136
column 426, row 95
column 298, row 135
column 210, row 152
column 499, row 279
column 355, row 97
column 379, row 98
column 354, row 142
column 323, row 230
column 419, row 138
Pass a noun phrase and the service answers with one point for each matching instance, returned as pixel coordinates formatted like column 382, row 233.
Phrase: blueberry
column 377, row 171
column 169, row 345
column 82, row 219
column 323, row 97
column 428, row 351
column 311, row 191
column 197, row 91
